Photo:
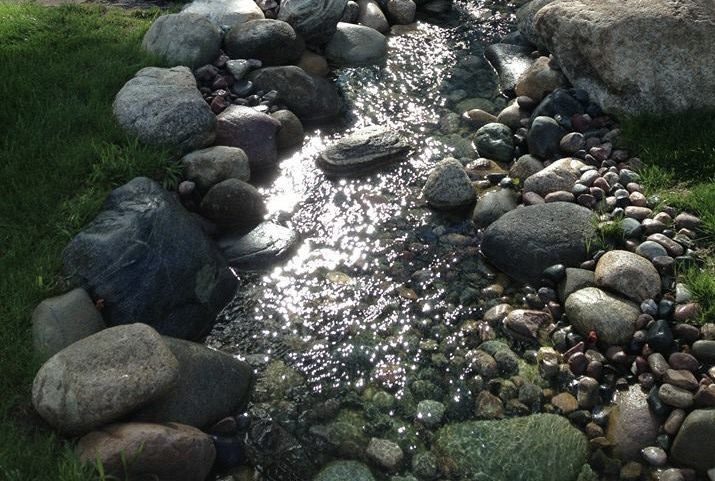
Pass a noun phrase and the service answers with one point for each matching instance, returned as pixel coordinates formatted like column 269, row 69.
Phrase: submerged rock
column 345, row 470
column 518, row 448
column 362, row 151
column 631, row 424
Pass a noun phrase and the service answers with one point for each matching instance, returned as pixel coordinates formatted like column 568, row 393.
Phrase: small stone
column 478, row 118
column 683, row 360
column 565, row 402
column 430, row 412
column 587, row 394
column 659, row 336
column 674, row 421
column 687, row 221
column 385, row 454
column 448, row 186
column 693, row 445
column 650, row 250
column 686, row 312
column 638, row 213
column 671, row 474
column 654, row 456
column 675, row 396
column 705, row 396
column 658, row 364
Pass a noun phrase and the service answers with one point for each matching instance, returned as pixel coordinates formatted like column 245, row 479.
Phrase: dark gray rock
column 291, row 133
column 494, row 141
column 149, row 261
column 103, row 377
column 60, row 321
column 183, row 39
column 525, row 166
column 164, row 107
column 575, row 279
column 310, row 98
column 559, row 102
column 211, row 385
column 273, row 42
column 263, row 246
column 362, row 151
column 208, row 167
column 493, row 205
column 314, row 20
column 448, row 186
column 233, row 204
column 510, row 62
column 613, row 318
column 356, row 45
column 693, row 445
column 544, row 137
column 252, row 131
column 527, row 240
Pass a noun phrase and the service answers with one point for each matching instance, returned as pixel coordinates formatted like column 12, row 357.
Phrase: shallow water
column 380, row 285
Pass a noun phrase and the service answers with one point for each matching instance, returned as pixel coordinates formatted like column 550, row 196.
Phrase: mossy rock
column 541, row 447
column 345, row 470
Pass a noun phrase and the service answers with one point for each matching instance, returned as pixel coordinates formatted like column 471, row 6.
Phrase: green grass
column 701, row 283
column 60, row 154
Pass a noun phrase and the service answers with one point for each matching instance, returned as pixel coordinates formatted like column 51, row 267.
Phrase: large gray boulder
column 527, row 240
column 171, row 452
column 636, row 56
column 613, row 318
column 253, row 132
column 632, row 426
column 60, row 321
column 356, row 45
column 211, row 385
column 164, row 107
column 183, row 39
column 225, row 13
column 149, row 261
column 693, row 446
column 314, row 20
column 525, row 19
column 310, row 98
column 103, row 377
column 273, row 42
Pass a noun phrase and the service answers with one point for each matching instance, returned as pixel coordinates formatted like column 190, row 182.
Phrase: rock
column 103, row 377
column 561, row 103
column 273, row 42
column 252, row 131
column 225, row 12
column 510, row 62
column 524, row 242
column 164, row 107
column 344, row 470
column 681, row 378
column 693, row 445
column 233, row 204
column 613, row 318
column 310, row 98
column 314, row 20
column 401, row 12
column 60, row 321
column 512, row 115
column 362, row 151
column 659, row 336
column 448, row 186
column 171, row 452
column 683, row 360
column 314, row 64
column 208, row 167
column 356, row 45
column 587, row 394
column 148, row 226
column 260, row 248
column 654, row 456
column 704, row 350
column 627, row 274
column 525, row 19
column 575, row 279
column 494, row 141
column 211, row 385
column 492, row 206
column 544, row 137
column 527, row 325
column 384, row 453
column 565, row 402
column 617, row 43
column 478, row 117
column 572, row 143
column 488, row 406
column 631, row 424
column 371, row 16
column 430, row 412
column 539, row 80
column 524, row 167
column 351, row 12
column 509, row 448
column 650, row 250
column 559, row 175
column 183, row 39
column 291, row 133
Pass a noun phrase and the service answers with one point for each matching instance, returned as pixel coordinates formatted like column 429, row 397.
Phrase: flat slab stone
column 362, row 151
column 265, row 245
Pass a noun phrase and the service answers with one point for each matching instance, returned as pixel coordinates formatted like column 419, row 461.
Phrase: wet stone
column 385, row 453
column 448, row 186
column 704, row 350
column 654, row 456
column 362, row 151
column 675, row 396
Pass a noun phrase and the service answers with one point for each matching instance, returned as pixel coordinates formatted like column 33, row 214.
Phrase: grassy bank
column 60, row 154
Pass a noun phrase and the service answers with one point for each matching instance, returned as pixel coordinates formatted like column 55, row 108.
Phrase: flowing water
column 381, row 290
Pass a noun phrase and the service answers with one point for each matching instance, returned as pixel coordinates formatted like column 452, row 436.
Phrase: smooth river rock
column 233, row 204
column 510, row 62
column 448, row 186
column 356, row 45
column 262, row 247
column 558, row 176
column 628, row 274
column 208, row 167
column 494, row 141
column 492, row 205
column 103, row 377
column 527, row 240
column 183, row 39
column 314, row 20
column 273, row 42
column 613, row 318
column 253, row 132
column 693, row 446
column 631, row 424
column 362, row 151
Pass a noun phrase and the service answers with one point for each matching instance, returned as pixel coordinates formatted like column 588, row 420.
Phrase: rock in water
column 103, row 377
column 613, row 318
column 252, row 131
column 510, row 62
column 448, row 186
column 362, row 151
column 211, row 385
column 171, row 452
column 163, row 106
column 345, row 470
column 273, row 42
column 512, row 449
column 260, row 248
column 149, row 261
column 527, row 240
column 225, row 13
column 183, row 39
column 494, row 141
column 635, row 57
column 356, row 45
column 314, row 20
